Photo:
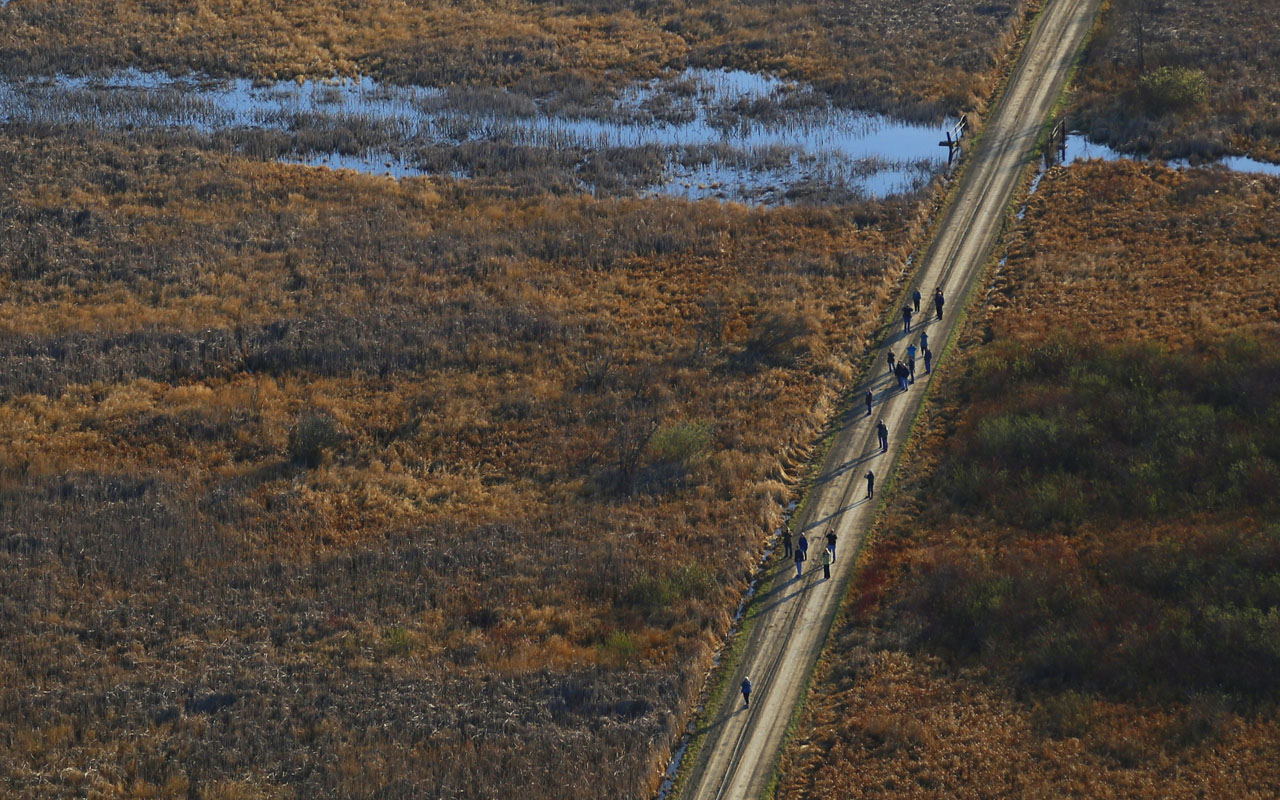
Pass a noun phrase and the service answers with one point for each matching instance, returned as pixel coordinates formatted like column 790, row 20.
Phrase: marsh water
column 700, row 133
column 1081, row 149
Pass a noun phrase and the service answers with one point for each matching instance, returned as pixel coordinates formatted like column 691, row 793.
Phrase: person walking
column 938, row 300
column 802, row 544
column 928, row 364
column 831, row 544
column 746, row 691
column 871, row 484
column 911, row 367
column 882, row 433
column 891, row 361
column 906, row 319
column 826, row 565
column 786, row 543
column 799, row 559
column 869, row 398
column 915, row 299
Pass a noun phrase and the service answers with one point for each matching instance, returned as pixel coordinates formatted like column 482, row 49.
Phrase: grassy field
column 1074, row 592
column 1184, row 78
column 918, row 60
column 319, row 483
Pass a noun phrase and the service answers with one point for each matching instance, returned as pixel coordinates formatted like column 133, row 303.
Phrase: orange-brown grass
column 912, row 726
column 1223, row 57
column 320, row 484
column 917, row 59
column 1126, row 251
column 1094, row 616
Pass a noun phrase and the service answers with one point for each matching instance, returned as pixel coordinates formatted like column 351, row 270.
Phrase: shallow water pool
column 727, row 134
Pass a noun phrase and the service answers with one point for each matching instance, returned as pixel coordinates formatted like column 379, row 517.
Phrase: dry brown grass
column 978, row 740
column 316, row 483
column 957, row 671
column 1131, row 252
column 915, row 59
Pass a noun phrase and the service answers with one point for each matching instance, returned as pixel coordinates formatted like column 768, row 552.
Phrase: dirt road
column 790, row 622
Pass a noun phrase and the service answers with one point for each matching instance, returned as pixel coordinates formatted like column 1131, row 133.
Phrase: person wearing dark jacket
column 906, row 319
column 799, row 559
column 746, row 691
column 869, row 398
column 871, row 484
column 928, row 362
column 902, row 372
column 938, row 300
column 882, row 432
column 831, row 544
column 915, row 300
column 786, row 543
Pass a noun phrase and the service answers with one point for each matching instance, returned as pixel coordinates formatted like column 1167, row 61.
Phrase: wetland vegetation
column 1074, row 589
column 914, row 60
column 699, row 134
column 445, row 486
column 315, row 483
column 1183, row 79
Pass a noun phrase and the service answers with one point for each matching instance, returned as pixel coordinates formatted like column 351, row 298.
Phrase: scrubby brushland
column 919, row 60
column 1184, row 78
column 1074, row 593
column 316, row 483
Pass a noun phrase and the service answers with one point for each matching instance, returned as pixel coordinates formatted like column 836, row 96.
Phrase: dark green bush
column 651, row 594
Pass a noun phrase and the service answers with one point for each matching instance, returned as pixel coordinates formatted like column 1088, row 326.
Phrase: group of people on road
column 905, row 372
column 800, row 552
column 913, row 308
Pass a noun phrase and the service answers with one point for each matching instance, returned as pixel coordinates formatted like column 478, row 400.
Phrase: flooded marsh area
column 725, row 134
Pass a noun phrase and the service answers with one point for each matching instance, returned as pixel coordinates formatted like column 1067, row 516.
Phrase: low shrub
column 315, row 434
column 1172, row 90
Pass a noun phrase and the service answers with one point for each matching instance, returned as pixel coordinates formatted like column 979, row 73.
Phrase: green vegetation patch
column 1171, row 617
column 1078, row 432
column 1111, row 450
